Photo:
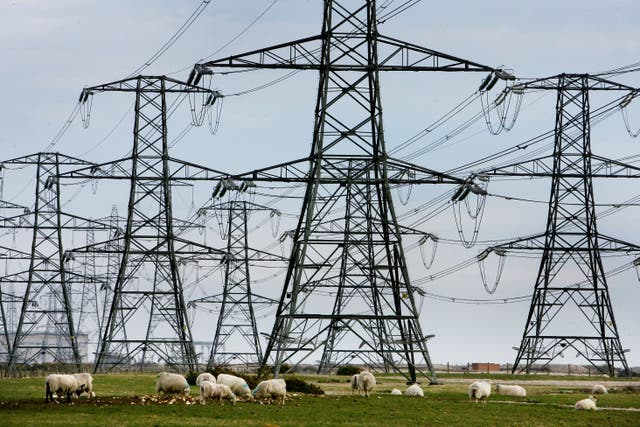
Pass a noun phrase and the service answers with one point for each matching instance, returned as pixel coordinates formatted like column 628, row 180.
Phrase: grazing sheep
column 588, row 403
column 205, row 376
column 414, row 390
column 85, row 379
column 366, row 382
column 61, row 384
column 271, row 389
column 599, row 389
column 167, row 382
column 396, row 392
column 237, row 385
column 216, row 392
column 354, row 383
column 511, row 390
column 479, row 390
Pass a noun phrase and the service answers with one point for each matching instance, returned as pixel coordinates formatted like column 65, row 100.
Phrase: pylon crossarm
column 340, row 170
column 18, row 221
column 8, row 205
column 121, row 169
column 255, row 255
column 398, row 55
column 609, row 168
column 11, row 253
column 538, row 242
column 300, row 54
column 187, row 247
column 305, row 54
column 218, row 298
column 573, row 82
column 543, row 167
column 70, row 278
column 45, row 158
column 131, row 85
column 401, row 172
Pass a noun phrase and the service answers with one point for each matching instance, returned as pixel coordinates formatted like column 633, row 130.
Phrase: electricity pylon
column 236, row 339
column 8, row 298
column 45, row 326
column 347, row 295
column 571, row 245
column 147, row 315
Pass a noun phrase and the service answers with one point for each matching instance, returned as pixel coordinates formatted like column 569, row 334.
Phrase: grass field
column 119, row 403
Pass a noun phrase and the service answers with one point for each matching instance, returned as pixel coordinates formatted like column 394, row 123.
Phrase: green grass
column 22, row 403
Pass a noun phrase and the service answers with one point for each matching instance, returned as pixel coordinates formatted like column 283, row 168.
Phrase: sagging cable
column 275, row 222
column 502, row 103
column 482, row 256
column 215, row 124
column 479, row 188
column 625, row 113
column 461, row 194
column 636, row 264
column 286, row 242
column 85, row 102
column 428, row 260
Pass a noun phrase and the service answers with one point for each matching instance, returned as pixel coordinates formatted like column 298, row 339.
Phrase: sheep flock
column 231, row 388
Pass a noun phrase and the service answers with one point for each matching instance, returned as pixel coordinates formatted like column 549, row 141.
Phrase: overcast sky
column 50, row 50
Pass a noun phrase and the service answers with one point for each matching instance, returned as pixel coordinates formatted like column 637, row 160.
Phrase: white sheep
column 237, row 385
column 511, row 390
column 85, row 379
column 354, row 383
column 588, row 403
column 205, row 376
column 167, row 382
column 366, row 382
column 62, row 384
column 479, row 390
column 216, row 392
column 396, row 392
column 414, row 390
column 599, row 389
column 271, row 389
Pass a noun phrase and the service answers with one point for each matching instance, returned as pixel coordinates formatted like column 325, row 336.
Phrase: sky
column 51, row 50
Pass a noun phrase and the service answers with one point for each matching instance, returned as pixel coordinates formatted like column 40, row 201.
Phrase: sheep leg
column 48, row 394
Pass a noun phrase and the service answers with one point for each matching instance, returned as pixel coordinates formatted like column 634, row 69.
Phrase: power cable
column 233, row 39
column 174, row 38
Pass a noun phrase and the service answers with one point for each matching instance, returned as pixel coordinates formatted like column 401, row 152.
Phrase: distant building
column 45, row 347
column 485, row 367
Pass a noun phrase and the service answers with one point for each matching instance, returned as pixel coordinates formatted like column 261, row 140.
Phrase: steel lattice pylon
column 236, row 339
column 147, row 315
column 8, row 298
column 45, row 326
column 571, row 245
column 347, row 294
